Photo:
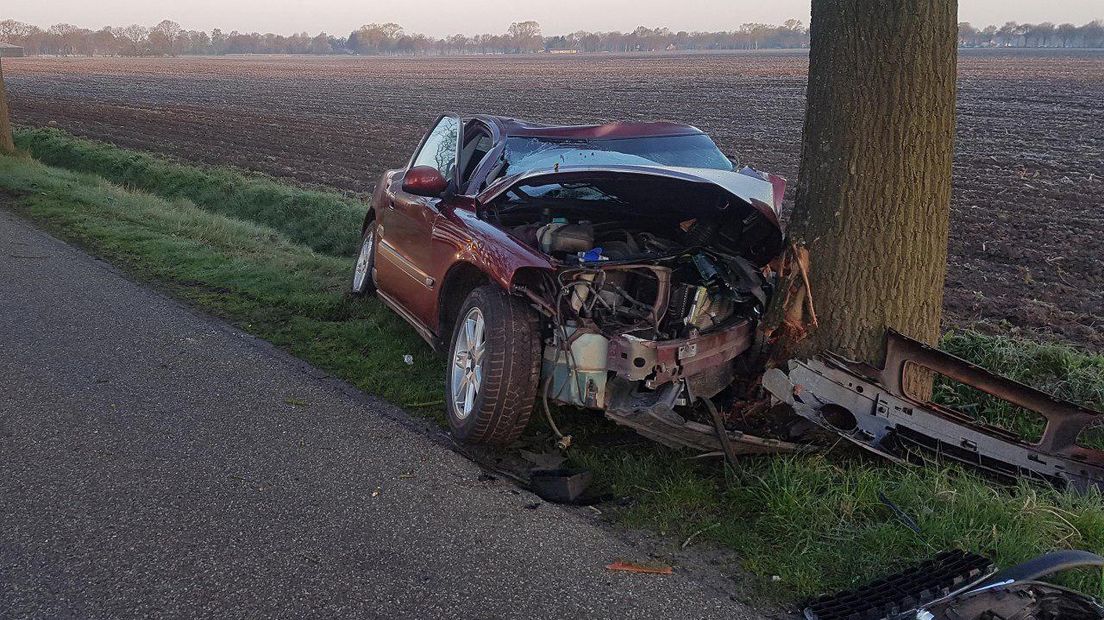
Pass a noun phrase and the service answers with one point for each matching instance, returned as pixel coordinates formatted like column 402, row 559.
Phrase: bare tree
column 135, row 36
column 1038, row 35
column 526, row 36
column 321, row 44
column 989, row 34
column 1011, row 34
column 63, row 39
column 967, row 35
column 1067, row 34
column 104, row 41
column 1093, row 33
column 165, row 38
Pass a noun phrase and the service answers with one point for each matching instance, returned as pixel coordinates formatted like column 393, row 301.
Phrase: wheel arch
column 369, row 217
column 460, row 280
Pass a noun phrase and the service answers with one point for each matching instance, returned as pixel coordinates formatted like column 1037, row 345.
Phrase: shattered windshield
column 583, row 192
column 693, row 151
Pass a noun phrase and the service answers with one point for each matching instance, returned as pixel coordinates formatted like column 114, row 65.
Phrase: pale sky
column 437, row 17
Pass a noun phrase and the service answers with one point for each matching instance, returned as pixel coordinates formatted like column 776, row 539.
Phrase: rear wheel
column 366, row 262
column 494, row 367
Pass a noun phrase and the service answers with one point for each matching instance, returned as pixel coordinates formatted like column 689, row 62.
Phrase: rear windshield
column 694, row 151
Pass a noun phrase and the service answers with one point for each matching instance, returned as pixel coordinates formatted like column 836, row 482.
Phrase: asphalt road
column 157, row 462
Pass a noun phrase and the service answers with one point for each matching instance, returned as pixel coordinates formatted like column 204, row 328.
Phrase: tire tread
column 511, row 372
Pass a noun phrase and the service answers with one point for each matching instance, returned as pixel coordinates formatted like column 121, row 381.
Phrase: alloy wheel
column 467, row 363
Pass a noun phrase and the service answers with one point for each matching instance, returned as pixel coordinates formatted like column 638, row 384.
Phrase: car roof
column 512, row 127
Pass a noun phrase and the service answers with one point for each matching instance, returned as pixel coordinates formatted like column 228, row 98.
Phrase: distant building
column 9, row 51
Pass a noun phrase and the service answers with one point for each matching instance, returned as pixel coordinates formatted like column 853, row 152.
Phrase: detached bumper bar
column 872, row 408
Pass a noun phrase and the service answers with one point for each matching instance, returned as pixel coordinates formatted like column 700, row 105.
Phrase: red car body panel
column 422, row 240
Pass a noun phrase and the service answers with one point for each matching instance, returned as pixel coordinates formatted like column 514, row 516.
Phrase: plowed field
column 1027, row 241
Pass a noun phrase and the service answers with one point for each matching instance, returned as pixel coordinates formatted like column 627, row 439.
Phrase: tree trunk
column 7, row 147
column 872, row 210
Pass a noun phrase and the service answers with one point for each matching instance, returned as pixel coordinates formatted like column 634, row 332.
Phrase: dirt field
column 1027, row 241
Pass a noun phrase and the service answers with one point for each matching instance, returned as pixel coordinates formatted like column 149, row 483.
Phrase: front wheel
column 494, row 367
column 363, row 284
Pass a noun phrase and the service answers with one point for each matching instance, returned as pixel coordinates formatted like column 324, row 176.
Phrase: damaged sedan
column 625, row 268
column 617, row 267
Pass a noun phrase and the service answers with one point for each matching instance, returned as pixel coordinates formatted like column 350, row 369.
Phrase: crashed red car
column 616, row 267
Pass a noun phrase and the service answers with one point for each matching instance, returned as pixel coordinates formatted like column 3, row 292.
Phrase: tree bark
column 7, row 147
column 868, row 234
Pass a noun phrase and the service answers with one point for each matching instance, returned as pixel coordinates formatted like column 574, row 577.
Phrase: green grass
column 1054, row 368
column 815, row 522
column 818, row 525
column 326, row 222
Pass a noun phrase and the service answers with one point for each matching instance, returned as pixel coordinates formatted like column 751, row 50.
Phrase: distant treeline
column 1045, row 34
column 169, row 39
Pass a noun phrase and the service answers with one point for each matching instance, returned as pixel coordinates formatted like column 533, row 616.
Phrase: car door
column 405, row 253
column 482, row 143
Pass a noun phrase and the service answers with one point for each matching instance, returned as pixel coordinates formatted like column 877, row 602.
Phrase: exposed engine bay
column 649, row 306
column 632, row 281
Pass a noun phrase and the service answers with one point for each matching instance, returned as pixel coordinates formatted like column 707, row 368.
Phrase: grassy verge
column 326, row 222
column 1054, row 368
column 816, row 523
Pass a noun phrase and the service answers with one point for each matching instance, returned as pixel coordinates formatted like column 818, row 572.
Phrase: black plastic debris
column 1030, row 600
column 1019, row 592
column 901, row 515
column 560, row 486
column 909, row 589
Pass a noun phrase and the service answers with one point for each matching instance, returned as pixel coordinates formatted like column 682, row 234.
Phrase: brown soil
column 1027, row 241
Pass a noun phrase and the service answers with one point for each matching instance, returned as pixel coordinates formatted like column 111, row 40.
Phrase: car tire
column 493, row 370
column 363, row 283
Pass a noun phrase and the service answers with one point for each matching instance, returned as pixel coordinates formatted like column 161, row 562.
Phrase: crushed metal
column 873, row 408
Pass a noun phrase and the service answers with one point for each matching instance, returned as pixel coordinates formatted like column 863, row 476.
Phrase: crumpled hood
column 750, row 191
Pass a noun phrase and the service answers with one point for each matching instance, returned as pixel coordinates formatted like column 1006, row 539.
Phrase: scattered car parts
column 874, row 409
column 957, row 585
column 560, row 486
column 624, row 268
column 889, row 597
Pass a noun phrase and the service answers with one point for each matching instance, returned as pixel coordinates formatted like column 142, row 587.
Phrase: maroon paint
column 424, row 181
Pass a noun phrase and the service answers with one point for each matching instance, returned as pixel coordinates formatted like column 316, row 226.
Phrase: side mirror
column 424, row 181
